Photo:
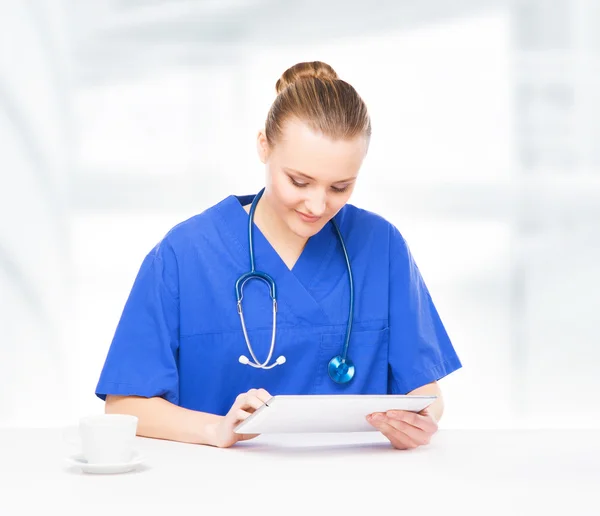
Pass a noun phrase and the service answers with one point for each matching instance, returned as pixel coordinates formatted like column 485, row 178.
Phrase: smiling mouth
column 307, row 218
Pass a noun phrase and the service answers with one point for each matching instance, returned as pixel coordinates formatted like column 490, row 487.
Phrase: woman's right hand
column 244, row 405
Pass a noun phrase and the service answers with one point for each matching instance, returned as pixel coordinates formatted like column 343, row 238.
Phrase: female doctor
column 291, row 291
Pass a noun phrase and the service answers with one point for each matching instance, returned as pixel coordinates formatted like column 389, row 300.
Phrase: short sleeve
column 420, row 349
column 141, row 359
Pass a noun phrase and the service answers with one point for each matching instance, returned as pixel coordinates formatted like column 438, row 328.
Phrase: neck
column 287, row 244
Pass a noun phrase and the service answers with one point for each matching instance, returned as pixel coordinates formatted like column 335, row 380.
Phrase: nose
column 316, row 204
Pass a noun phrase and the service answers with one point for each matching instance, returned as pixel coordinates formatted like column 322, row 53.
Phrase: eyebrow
column 306, row 176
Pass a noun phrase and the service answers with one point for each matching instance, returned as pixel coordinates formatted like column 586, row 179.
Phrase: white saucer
column 104, row 469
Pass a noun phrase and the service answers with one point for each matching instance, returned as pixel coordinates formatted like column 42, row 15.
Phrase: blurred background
column 120, row 118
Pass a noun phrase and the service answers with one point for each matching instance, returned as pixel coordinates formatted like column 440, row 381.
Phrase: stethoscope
column 340, row 368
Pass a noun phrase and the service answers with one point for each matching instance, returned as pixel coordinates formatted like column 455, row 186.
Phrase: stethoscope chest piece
column 340, row 370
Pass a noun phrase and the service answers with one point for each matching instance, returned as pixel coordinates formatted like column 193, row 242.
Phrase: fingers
column 254, row 399
column 241, row 415
column 262, row 395
column 246, row 437
column 243, row 407
column 404, row 429
column 252, row 402
column 398, row 439
column 421, row 421
column 416, row 435
column 248, row 402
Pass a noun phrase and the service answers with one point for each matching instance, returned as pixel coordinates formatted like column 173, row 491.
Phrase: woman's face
column 309, row 176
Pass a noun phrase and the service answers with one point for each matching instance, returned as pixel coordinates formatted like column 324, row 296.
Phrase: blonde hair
column 312, row 93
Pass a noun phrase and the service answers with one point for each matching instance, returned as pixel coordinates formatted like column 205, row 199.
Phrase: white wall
column 510, row 252
column 34, row 238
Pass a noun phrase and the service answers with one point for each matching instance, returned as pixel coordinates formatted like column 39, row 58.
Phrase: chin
column 304, row 230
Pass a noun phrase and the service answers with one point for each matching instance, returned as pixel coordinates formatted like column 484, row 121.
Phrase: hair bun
column 313, row 69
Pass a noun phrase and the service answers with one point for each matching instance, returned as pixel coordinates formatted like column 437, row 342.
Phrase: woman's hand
column 405, row 430
column 244, row 405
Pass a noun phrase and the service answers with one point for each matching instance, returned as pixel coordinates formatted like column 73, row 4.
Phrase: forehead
column 300, row 148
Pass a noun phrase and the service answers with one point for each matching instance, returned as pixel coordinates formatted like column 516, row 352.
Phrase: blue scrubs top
column 180, row 337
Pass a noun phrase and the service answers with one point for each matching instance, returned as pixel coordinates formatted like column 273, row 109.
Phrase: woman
column 191, row 362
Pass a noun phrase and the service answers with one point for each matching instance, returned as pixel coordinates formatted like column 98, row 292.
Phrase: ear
column 262, row 146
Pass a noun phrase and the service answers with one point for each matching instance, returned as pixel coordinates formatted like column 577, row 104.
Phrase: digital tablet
column 326, row 413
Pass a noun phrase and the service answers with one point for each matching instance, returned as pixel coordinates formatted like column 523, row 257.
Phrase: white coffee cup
column 108, row 438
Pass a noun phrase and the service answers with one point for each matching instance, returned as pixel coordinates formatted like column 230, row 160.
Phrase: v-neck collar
column 293, row 286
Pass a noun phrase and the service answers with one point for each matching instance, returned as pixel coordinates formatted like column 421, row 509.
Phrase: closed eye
column 300, row 184
column 338, row 189
column 297, row 183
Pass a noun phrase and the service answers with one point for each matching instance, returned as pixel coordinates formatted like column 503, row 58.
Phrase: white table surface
column 483, row 472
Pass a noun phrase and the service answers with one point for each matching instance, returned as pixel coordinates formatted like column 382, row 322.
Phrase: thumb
column 245, row 437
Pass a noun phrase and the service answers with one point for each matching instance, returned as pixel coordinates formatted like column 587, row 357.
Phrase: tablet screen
column 326, row 413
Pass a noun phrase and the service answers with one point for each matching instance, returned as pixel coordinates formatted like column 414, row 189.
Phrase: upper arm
column 141, row 359
column 429, row 389
column 420, row 349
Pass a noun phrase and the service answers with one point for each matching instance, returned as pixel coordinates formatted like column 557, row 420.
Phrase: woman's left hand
column 405, row 430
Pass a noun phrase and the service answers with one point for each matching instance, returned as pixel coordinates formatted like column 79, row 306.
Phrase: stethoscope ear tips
column 246, row 361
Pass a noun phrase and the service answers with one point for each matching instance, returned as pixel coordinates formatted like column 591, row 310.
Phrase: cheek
column 337, row 201
column 286, row 194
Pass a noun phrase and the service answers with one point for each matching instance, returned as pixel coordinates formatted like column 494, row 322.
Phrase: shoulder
column 197, row 228
column 366, row 224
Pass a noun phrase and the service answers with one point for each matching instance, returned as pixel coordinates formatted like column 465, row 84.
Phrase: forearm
column 160, row 419
column 436, row 409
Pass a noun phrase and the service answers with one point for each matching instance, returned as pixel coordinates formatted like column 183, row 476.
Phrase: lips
column 307, row 218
